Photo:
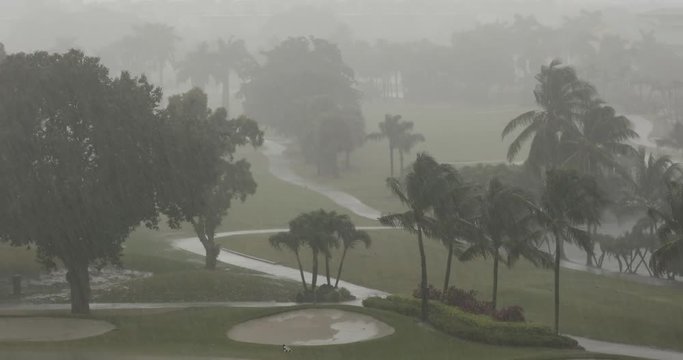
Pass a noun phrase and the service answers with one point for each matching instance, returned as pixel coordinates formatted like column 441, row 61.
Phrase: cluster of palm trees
column 500, row 221
column 322, row 232
column 400, row 137
column 577, row 144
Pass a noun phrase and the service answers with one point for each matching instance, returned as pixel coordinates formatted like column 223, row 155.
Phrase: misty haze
column 341, row 179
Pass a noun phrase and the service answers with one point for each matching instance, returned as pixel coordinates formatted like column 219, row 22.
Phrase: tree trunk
column 423, row 278
column 314, row 281
column 301, row 271
column 447, row 278
column 558, row 247
column 590, row 252
column 161, row 74
column 400, row 161
column 79, row 283
column 226, row 94
column 212, row 251
column 495, row 280
column 327, row 270
column 391, row 160
column 341, row 264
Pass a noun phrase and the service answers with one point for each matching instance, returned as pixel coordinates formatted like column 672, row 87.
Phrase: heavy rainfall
column 341, row 179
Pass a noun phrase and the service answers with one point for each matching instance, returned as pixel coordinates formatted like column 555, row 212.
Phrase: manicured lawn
column 453, row 134
column 201, row 332
column 203, row 285
column 592, row 306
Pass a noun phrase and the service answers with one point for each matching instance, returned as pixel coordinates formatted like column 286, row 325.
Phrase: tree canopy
column 76, row 164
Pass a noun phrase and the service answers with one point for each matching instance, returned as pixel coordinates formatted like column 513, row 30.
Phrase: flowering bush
column 467, row 301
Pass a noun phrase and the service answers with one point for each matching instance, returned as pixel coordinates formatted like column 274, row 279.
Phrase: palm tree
column 569, row 199
column 350, row 237
column 316, row 229
column 668, row 258
column 231, row 56
column 505, row 222
column 651, row 174
column 420, row 190
column 392, row 128
column 405, row 144
column 454, row 215
column 197, row 66
column 562, row 98
column 156, row 42
column 594, row 150
column 293, row 243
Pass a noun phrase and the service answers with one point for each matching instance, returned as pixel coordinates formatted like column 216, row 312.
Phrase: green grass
column 201, row 332
column 591, row 305
column 203, row 285
column 453, row 134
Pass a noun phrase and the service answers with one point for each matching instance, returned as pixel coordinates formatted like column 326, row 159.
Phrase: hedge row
column 480, row 328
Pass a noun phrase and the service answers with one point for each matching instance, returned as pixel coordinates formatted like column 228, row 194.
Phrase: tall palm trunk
column 495, row 280
column 301, row 271
column 341, row 264
column 327, row 270
column 423, row 280
column 447, row 277
column 226, row 93
column 558, row 247
column 400, row 160
column 314, row 281
column 391, row 160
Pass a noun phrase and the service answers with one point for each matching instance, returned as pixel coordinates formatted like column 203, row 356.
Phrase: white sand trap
column 50, row 329
column 311, row 327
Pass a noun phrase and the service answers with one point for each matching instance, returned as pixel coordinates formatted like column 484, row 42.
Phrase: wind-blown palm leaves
column 569, row 200
column 398, row 133
column 505, row 222
column 602, row 136
column 293, row 243
column 454, row 214
column 668, row 258
column 562, row 98
column 321, row 231
column 421, row 189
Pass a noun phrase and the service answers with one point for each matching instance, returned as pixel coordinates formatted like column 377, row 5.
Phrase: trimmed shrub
column 325, row 294
column 480, row 328
column 512, row 313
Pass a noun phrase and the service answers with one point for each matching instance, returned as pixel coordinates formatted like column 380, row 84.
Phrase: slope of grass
column 591, row 305
column 201, row 332
column 203, row 285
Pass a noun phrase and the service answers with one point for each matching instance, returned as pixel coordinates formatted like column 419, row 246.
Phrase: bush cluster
column 325, row 293
column 481, row 328
column 467, row 301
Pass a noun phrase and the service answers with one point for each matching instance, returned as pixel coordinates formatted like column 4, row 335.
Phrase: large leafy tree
column 304, row 89
column 199, row 175
column 570, row 199
column 76, row 170
column 197, row 66
column 420, row 191
column 562, row 98
column 505, row 230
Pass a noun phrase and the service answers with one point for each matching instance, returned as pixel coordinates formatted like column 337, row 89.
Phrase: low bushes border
column 480, row 328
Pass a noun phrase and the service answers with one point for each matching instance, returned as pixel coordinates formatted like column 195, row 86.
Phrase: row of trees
column 86, row 158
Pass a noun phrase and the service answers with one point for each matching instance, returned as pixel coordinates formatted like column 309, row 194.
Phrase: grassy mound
column 202, row 285
column 473, row 327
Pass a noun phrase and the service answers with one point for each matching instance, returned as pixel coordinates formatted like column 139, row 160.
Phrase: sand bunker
column 311, row 327
column 50, row 329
